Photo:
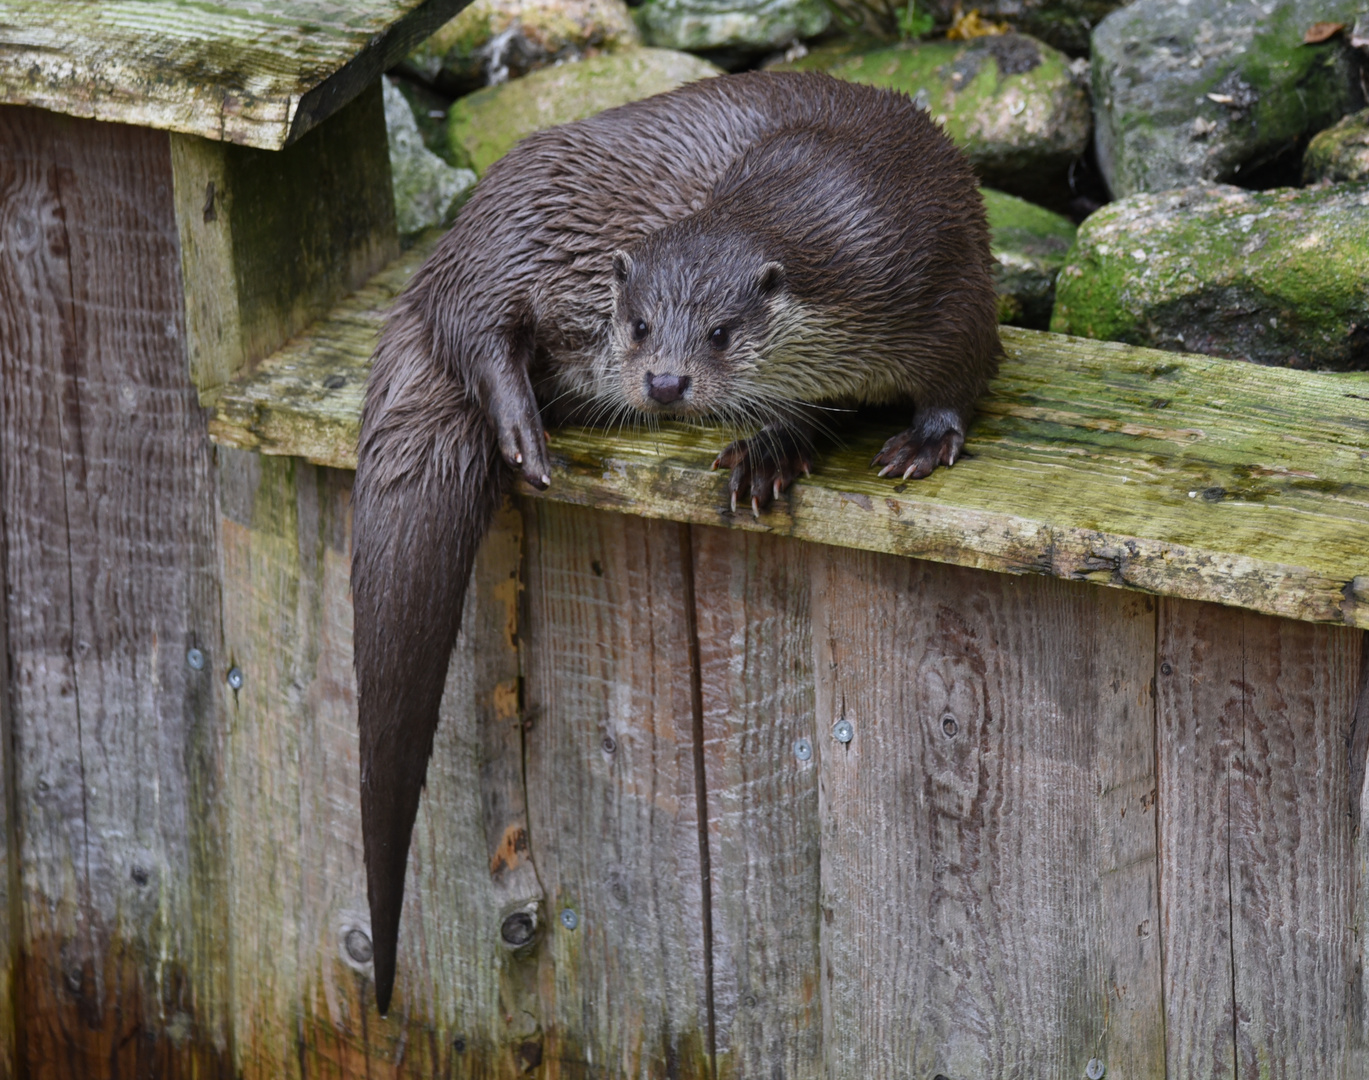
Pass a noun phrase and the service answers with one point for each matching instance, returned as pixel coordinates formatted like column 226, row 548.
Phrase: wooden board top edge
column 245, row 72
column 1176, row 474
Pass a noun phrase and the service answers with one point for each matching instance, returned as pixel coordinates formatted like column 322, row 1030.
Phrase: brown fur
column 882, row 292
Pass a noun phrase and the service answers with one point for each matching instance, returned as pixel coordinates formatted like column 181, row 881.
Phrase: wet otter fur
column 754, row 247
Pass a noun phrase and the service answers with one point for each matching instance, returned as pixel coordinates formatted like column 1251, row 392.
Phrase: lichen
column 1276, row 277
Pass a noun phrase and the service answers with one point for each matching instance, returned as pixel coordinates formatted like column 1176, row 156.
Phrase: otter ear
column 622, row 266
column 771, row 278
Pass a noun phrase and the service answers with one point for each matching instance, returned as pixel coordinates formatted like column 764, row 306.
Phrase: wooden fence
column 1050, row 765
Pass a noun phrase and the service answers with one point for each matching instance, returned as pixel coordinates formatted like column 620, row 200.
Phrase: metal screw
column 569, row 919
column 949, row 726
column 358, row 946
column 843, row 732
column 195, row 659
column 235, row 679
column 1165, row 669
column 803, row 749
column 1095, row 1069
column 609, row 744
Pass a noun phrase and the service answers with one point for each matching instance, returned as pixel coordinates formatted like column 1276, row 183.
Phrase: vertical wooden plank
column 10, row 908
column 108, row 512
column 302, row 978
column 611, row 795
column 998, row 731
column 755, row 647
column 270, row 239
column 1257, row 849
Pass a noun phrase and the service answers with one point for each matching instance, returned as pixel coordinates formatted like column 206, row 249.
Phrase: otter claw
column 755, row 508
column 734, row 502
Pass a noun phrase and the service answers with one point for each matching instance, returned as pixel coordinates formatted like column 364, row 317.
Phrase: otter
column 755, row 247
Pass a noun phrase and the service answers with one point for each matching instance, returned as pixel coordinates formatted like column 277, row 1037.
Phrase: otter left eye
column 718, row 338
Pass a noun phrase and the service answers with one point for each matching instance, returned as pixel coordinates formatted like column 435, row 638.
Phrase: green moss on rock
column 749, row 25
column 1275, row 277
column 486, row 124
column 1030, row 244
column 1340, row 154
column 1214, row 89
column 1011, row 103
column 493, row 40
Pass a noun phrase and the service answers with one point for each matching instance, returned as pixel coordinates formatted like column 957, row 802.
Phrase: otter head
column 691, row 323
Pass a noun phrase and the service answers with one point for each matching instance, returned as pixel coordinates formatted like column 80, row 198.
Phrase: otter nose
column 666, row 388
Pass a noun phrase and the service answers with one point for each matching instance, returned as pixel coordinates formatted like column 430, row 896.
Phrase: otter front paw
column 522, row 438
column 915, row 453
column 764, row 466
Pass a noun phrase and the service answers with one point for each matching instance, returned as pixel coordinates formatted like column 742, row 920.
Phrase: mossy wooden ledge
column 231, row 70
column 1173, row 474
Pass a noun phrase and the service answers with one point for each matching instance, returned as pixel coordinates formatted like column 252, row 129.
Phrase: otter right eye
column 639, row 330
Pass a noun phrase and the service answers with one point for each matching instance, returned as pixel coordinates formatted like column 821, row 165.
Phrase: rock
column 484, row 125
column 430, row 113
column 1215, row 89
column 1340, row 154
column 1276, row 277
column 1030, row 244
column 492, row 41
column 1062, row 24
column 1011, row 103
column 428, row 191
column 744, row 25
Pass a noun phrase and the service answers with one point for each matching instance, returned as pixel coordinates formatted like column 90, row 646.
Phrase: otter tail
column 427, row 482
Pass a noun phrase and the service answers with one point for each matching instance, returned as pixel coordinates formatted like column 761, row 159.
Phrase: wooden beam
column 1175, row 474
column 231, row 71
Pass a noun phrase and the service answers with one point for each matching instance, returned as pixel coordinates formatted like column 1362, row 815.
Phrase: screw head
column 235, row 679
column 843, row 731
column 1095, row 1069
column 358, row 946
column 195, row 659
column 569, row 919
column 1166, row 668
column 803, row 749
column 609, row 743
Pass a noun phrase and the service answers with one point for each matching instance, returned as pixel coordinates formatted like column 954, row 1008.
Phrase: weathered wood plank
column 1257, row 855
column 1178, row 475
column 107, row 505
column 302, row 982
column 11, row 1023
column 998, row 732
column 270, row 240
column 755, row 652
column 241, row 71
column 611, row 796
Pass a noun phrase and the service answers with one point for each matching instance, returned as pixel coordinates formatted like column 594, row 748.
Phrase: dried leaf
column 973, row 25
column 1322, row 31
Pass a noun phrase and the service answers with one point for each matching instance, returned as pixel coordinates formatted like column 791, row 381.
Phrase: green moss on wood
column 1090, row 460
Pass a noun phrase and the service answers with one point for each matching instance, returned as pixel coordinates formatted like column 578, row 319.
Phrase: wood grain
column 1092, row 461
column 303, row 1004
column 1258, row 854
column 967, row 828
column 241, row 71
column 611, row 796
column 271, row 240
column 11, row 908
column 107, row 507
column 755, row 650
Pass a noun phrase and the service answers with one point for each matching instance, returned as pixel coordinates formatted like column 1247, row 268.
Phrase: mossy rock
column 427, row 190
column 486, row 124
column 1030, row 244
column 1340, row 154
column 1215, row 89
column 1014, row 105
column 747, row 25
column 492, row 41
column 1275, row 277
